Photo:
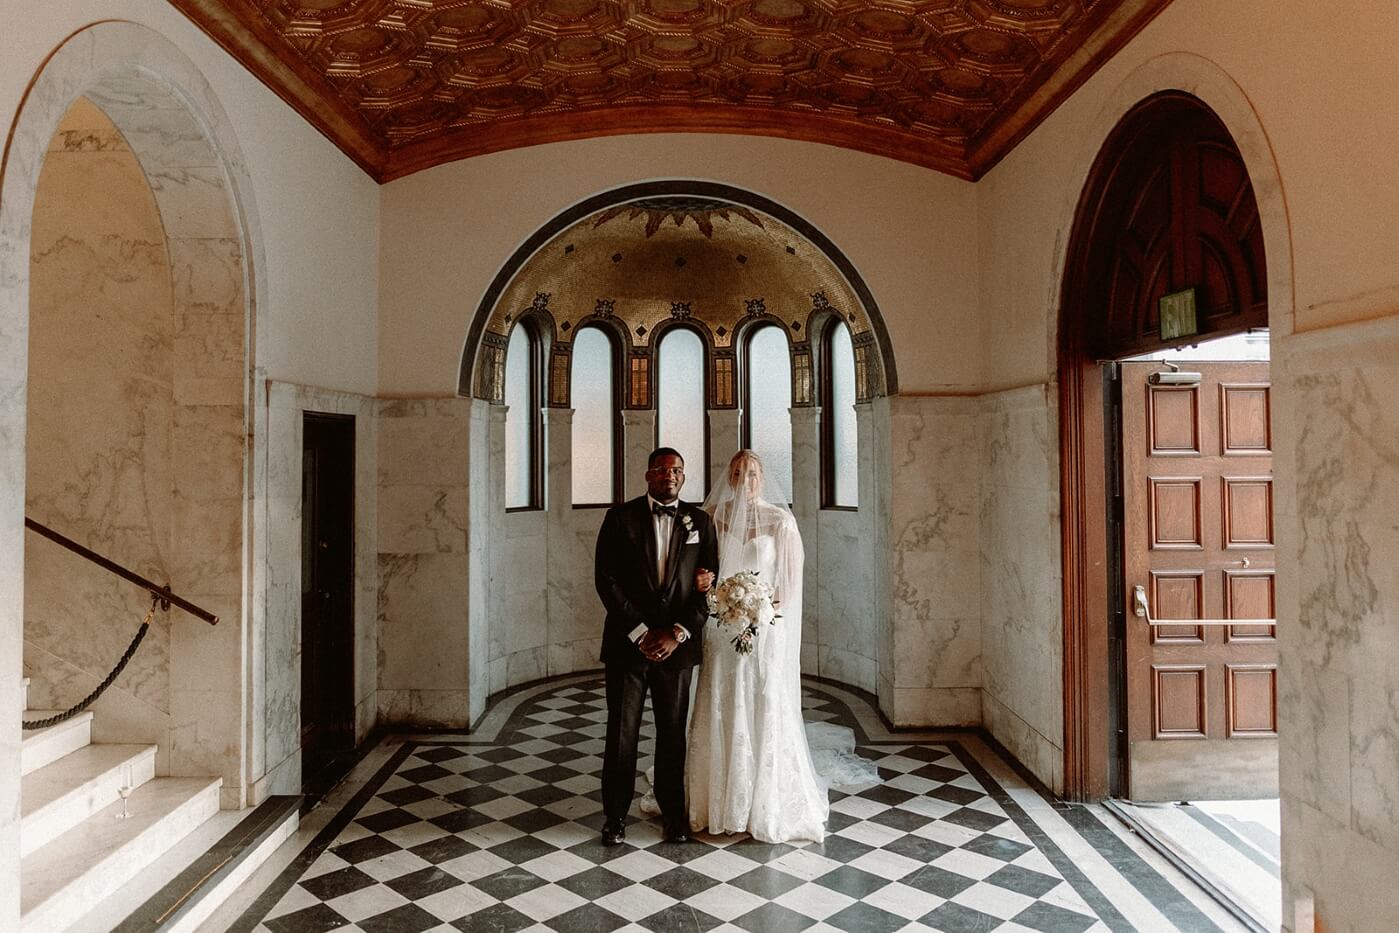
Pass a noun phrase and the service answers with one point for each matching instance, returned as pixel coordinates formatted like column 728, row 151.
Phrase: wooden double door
column 1198, row 546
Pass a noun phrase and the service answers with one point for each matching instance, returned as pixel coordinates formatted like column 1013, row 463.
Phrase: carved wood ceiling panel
column 401, row 85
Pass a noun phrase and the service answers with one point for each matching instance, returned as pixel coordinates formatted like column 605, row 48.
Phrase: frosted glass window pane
column 593, row 417
column 769, row 404
column 519, row 433
column 842, row 412
column 680, row 411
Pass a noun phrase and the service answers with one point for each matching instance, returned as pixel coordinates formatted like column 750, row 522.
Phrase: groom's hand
column 658, row 644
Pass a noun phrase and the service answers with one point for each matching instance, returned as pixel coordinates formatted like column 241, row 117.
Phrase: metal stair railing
column 161, row 598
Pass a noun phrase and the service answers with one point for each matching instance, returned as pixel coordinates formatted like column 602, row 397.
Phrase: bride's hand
column 704, row 579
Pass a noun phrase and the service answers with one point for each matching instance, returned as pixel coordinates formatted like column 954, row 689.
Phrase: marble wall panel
column 1021, row 577
column 425, row 638
column 1338, row 391
column 941, row 706
column 806, row 508
column 422, row 622
column 934, row 561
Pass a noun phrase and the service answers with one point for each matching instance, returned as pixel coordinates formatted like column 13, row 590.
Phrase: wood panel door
column 1198, row 544
column 327, row 592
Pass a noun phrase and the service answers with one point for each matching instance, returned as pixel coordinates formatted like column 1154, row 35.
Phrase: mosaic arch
column 169, row 117
column 643, row 259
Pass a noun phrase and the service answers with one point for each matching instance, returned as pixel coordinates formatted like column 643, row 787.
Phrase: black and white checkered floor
column 501, row 834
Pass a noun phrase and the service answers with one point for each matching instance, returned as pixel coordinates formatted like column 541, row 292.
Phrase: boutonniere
column 688, row 522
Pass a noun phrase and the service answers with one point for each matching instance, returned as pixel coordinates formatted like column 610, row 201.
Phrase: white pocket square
column 693, row 538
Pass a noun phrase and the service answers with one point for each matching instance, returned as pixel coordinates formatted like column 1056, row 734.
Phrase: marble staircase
column 93, row 817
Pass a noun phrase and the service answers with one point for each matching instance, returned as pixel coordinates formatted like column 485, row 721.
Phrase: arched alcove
column 180, row 141
column 643, row 263
column 829, row 283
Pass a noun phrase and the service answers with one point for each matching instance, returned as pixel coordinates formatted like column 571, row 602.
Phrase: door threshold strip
column 1145, row 832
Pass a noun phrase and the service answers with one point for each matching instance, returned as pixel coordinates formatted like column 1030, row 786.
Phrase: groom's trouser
column 670, row 703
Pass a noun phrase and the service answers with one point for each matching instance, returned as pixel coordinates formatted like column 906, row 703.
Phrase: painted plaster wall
column 100, row 459
column 1319, row 145
column 446, row 232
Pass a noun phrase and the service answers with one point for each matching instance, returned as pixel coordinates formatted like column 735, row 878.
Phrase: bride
column 749, row 766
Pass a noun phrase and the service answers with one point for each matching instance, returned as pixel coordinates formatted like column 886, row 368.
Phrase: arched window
column 596, row 410
column 681, row 418
column 840, row 479
column 524, row 422
column 767, row 416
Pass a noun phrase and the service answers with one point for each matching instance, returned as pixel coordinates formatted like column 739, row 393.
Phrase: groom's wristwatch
column 681, row 635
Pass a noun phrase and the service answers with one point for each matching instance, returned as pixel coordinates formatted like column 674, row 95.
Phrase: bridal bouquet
column 742, row 602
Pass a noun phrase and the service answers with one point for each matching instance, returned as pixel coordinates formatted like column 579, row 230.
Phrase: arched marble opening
column 168, row 116
column 504, row 293
column 677, row 265
column 1079, row 453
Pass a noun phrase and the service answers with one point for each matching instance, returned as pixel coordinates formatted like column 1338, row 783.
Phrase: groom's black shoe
column 613, row 832
column 678, row 833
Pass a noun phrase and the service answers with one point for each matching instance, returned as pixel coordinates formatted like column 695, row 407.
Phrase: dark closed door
column 1198, row 544
column 327, row 590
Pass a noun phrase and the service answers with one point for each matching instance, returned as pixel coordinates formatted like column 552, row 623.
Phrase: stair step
column 45, row 746
column 61, row 795
column 64, row 879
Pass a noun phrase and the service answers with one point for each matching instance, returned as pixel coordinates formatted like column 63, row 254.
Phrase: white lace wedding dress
column 749, row 767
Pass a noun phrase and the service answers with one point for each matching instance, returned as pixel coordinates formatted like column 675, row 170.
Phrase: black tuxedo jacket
column 625, row 574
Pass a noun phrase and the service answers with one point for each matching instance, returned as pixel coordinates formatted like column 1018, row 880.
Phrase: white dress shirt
column 662, row 525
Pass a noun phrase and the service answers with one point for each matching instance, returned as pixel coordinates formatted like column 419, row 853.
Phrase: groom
column 647, row 553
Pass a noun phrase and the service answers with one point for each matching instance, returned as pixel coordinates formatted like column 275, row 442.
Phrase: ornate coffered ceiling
column 401, row 85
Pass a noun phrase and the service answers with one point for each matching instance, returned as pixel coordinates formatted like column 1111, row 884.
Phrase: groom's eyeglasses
column 677, row 471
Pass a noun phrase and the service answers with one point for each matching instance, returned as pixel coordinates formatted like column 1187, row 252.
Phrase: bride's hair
column 735, row 466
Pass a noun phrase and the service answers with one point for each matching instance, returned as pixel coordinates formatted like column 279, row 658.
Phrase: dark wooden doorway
column 327, row 593
column 1168, row 206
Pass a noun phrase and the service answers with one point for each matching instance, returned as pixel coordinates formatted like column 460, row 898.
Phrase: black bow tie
column 658, row 509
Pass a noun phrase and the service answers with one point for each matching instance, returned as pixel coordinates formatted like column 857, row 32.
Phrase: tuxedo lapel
column 647, row 526
column 677, row 544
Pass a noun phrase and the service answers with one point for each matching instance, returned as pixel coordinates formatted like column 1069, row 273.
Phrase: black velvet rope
column 102, row 687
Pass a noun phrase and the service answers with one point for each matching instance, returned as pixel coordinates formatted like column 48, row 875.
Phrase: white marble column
column 638, row 440
column 880, row 490
column 495, row 506
column 806, row 506
column 558, row 467
column 479, row 547
column 725, row 439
